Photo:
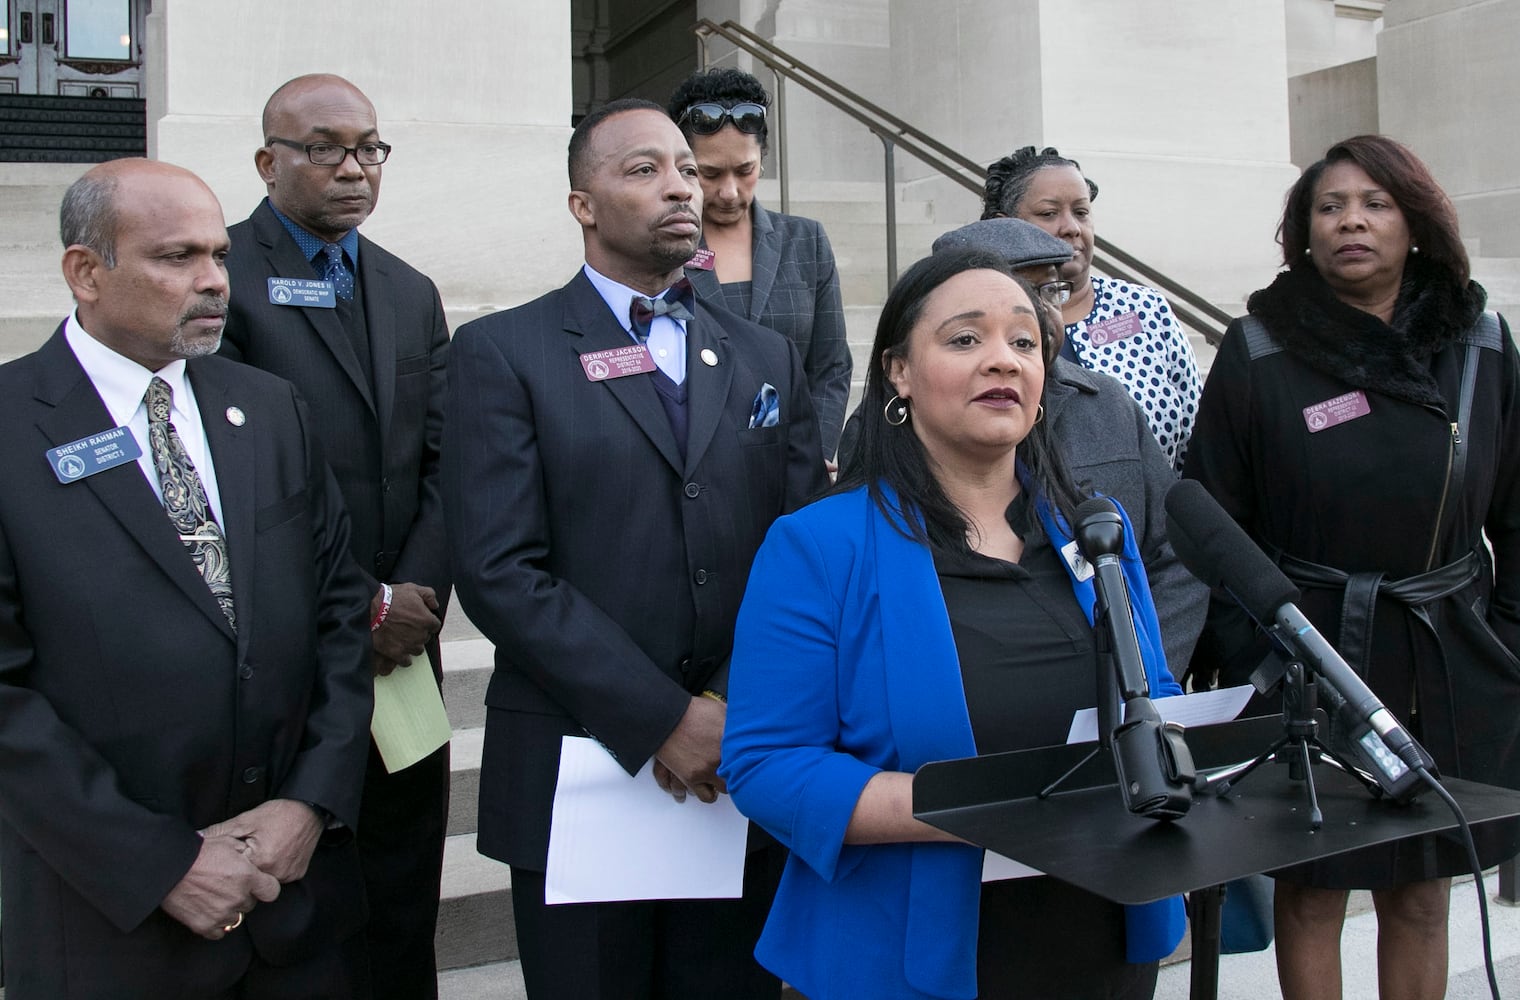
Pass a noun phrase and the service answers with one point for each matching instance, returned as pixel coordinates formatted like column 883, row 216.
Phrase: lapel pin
column 235, row 416
column 709, row 357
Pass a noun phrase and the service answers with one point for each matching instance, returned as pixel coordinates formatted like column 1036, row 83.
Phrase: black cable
column 1477, row 870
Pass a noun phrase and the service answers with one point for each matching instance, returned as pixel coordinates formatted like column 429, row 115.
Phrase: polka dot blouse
column 1132, row 335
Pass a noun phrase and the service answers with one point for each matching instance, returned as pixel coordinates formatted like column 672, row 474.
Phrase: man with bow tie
column 607, row 480
column 184, row 676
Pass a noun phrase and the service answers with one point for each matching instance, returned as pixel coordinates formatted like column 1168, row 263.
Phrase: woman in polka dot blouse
column 1115, row 327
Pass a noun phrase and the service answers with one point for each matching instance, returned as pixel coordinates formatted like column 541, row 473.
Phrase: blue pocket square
column 765, row 411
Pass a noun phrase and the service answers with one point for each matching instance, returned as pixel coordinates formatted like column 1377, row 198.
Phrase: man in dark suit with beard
column 614, row 456
column 183, row 649
column 362, row 335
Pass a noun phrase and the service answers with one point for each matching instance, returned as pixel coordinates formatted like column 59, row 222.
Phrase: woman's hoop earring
column 896, row 405
column 1039, row 414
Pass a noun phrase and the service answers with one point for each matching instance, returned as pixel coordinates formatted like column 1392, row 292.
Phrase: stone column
column 474, row 97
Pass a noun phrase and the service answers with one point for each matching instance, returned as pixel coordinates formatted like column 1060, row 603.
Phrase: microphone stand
column 1300, row 714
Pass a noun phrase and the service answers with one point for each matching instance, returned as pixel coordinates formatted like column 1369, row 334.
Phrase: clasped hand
column 688, row 759
column 242, row 863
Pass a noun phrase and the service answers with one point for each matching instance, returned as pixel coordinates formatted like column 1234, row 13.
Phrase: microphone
column 1218, row 551
column 1154, row 765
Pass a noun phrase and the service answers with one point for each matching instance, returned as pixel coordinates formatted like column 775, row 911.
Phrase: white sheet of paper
column 1201, row 709
column 613, row 837
column 996, row 868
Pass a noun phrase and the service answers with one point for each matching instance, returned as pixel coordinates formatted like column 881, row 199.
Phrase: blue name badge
column 83, row 458
column 307, row 292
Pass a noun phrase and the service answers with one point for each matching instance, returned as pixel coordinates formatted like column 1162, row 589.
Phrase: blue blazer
column 844, row 665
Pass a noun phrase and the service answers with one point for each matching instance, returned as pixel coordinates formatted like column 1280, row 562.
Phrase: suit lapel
column 381, row 320
column 765, row 260
column 588, row 318
column 286, row 261
column 77, row 412
column 704, row 282
column 707, row 385
column 232, row 451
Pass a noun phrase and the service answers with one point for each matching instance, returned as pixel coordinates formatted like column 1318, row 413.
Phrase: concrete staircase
column 475, row 913
column 36, row 298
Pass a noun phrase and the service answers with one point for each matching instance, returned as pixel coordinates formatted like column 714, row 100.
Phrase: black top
column 1025, row 646
column 1027, row 664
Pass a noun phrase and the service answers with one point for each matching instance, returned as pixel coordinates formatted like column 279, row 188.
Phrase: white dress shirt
column 122, row 383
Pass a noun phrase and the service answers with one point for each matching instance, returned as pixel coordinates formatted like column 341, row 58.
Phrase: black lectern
column 1084, row 835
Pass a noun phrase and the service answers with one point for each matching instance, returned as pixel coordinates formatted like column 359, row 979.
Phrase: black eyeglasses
column 330, row 154
column 1057, row 293
column 707, row 118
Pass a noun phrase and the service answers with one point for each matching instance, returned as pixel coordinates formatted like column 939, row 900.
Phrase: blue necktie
column 676, row 302
column 343, row 281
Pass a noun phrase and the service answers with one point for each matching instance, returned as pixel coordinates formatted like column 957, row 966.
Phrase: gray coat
column 1109, row 448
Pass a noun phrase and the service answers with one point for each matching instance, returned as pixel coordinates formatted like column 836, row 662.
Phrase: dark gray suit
column 795, row 291
column 606, row 570
column 133, row 716
column 381, row 427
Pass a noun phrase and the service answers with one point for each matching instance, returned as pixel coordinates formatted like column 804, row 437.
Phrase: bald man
column 362, row 335
column 184, row 665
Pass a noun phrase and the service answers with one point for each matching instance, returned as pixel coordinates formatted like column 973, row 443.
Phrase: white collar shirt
column 667, row 335
column 122, row 383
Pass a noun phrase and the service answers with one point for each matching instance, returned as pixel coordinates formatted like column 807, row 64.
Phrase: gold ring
column 229, row 928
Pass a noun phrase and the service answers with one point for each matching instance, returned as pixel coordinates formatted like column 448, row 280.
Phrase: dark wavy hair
column 1008, row 179
column 888, row 456
column 725, row 86
column 1429, row 213
column 580, row 139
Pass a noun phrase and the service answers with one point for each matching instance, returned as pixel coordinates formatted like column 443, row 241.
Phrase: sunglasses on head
column 708, row 117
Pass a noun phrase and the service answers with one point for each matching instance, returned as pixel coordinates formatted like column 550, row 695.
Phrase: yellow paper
column 410, row 721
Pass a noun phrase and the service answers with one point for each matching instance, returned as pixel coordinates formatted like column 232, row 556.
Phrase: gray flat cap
column 1023, row 244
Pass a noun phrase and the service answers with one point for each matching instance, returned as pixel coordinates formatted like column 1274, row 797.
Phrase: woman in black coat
column 1334, row 428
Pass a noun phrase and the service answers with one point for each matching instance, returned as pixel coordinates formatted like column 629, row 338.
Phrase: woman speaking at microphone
column 925, row 610
column 1363, row 424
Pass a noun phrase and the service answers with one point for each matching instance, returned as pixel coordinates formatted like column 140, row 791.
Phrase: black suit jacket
column 133, row 716
column 383, row 442
column 606, row 570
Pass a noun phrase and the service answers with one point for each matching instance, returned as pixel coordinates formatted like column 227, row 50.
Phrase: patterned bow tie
column 675, row 303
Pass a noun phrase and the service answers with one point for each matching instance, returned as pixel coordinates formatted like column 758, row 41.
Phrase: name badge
column 1115, row 329
column 307, row 292
column 1336, row 411
column 702, row 260
column 83, row 458
column 620, row 362
column 1080, row 567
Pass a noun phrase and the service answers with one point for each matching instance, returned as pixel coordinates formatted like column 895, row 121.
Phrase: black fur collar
column 1357, row 347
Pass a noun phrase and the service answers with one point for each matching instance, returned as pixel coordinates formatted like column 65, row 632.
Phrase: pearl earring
column 1414, row 249
column 1306, row 251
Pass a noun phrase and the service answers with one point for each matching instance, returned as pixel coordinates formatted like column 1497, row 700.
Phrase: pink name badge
column 1114, row 329
column 702, row 260
column 1336, row 411
column 619, row 362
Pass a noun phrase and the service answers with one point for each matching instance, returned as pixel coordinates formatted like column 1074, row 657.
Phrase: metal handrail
column 1203, row 316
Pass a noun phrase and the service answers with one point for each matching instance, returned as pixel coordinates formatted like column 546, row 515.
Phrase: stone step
column 467, row 665
column 464, row 780
column 496, row 981
column 475, row 911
